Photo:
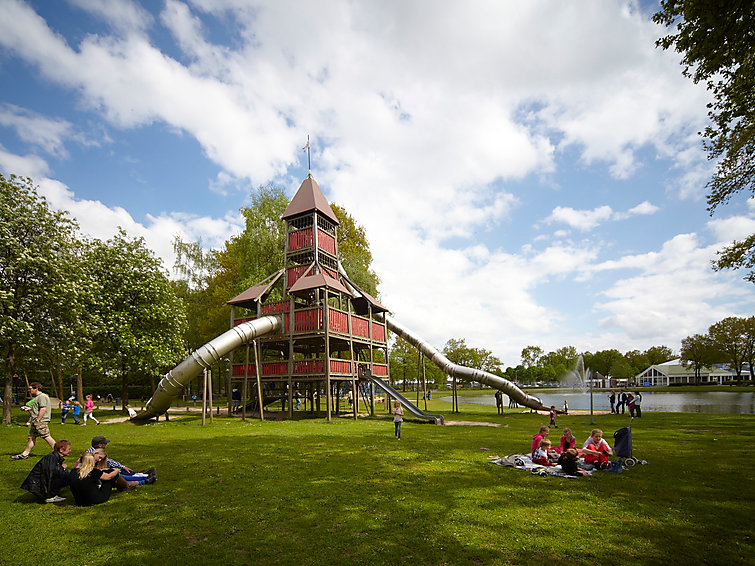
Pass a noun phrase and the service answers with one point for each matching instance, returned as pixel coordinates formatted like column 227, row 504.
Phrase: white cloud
column 580, row 219
column 47, row 134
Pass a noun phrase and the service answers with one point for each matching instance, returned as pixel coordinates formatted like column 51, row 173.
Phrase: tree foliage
column 35, row 254
column 354, row 251
column 717, row 43
column 698, row 351
column 140, row 320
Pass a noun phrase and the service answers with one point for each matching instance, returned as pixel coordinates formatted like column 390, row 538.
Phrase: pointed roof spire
column 309, row 197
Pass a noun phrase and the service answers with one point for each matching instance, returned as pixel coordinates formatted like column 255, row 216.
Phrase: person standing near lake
column 499, row 401
column 398, row 418
column 41, row 411
column 622, row 400
column 612, row 400
column 630, row 404
column 637, row 401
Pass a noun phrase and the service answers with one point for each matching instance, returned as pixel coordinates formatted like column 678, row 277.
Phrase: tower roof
column 309, row 197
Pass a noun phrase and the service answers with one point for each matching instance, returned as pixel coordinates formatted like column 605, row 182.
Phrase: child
column 553, row 416
column 540, row 455
column 131, row 412
column 65, row 408
column 75, row 412
column 537, row 438
column 567, row 441
column 596, row 450
column 568, row 462
column 398, row 418
column 88, row 408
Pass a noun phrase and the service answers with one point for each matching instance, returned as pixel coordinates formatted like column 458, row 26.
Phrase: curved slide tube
column 411, row 407
column 180, row 376
column 453, row 369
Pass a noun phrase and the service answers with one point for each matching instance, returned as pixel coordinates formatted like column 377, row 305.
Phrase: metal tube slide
column 180, row 376
column 453, row 369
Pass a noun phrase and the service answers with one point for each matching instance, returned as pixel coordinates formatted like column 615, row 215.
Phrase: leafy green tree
column 659, row 354
column 531, row 356
column 67, row 344
column 698, row 351
column 354, row 251
column 717, row 41
column 35, row 244
column 729, row 339
column 141, row 321
column 749, row 336
column 637, row 360
column 603, row 360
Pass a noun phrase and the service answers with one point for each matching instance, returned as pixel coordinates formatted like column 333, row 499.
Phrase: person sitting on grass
column 142, row 478
column 93, row 482
column 540, row 455
column 567, row 441
column 49, row 475
column 596, row 450
column 544, row 431
column 131, row 412
column 568, row 462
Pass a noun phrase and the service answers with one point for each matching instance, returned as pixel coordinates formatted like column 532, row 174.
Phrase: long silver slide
column 453, row 369
column 411, row 407
column 173, row 383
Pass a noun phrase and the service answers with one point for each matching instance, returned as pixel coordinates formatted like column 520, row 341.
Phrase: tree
column 531, row 356
column 603, row 360
column 749, row 336
column 698, row 351
column 659, row 354
column 141, row 321
column 35, row 245
column 717, row 40
column 637, row 360
column 729, row 339
column 354, row 251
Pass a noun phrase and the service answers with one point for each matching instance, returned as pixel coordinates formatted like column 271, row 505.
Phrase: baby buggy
column 622, row 442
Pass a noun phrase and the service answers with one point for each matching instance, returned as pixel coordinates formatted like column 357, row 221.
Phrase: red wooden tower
column 330, row 335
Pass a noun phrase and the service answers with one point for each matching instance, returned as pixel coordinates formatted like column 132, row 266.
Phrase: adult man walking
column 41, row 411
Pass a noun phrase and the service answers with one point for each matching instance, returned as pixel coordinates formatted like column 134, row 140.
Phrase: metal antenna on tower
column 309, row 160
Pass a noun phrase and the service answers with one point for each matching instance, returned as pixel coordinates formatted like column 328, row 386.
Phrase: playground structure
column 308, row 329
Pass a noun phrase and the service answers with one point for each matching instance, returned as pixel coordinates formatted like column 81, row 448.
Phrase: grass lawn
column 346, row 492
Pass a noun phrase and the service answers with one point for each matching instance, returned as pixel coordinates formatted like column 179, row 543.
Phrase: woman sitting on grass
column 92, row 483
column 596, row 449
column 567, row 441
column 537, row 438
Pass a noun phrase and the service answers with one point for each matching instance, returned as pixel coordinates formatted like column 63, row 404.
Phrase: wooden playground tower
column 330, row 334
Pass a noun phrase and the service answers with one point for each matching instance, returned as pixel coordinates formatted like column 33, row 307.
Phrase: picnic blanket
column 524, row 462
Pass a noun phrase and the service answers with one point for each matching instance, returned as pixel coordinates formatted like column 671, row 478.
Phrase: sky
column 528, row 173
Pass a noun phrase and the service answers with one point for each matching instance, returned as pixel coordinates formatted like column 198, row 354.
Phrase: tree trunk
column 59, row 370
column 79, row 386
column 10, row 364
column 124, row 390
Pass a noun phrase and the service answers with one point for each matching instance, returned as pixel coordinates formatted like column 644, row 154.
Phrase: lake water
column 723, row 402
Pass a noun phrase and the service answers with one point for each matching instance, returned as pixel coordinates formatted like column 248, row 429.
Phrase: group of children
column 74, row 407
column 595, row 451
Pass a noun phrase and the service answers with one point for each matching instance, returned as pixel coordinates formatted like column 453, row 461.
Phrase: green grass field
column 346, row 492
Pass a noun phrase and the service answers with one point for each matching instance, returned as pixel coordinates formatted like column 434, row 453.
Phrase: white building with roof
column 674, row 373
